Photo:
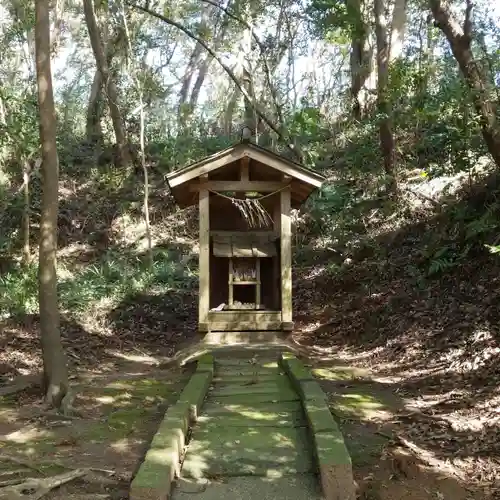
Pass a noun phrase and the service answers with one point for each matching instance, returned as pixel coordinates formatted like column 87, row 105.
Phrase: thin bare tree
column 54, row 360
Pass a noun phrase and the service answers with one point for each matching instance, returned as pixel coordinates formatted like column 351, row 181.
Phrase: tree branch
column 38, row 488
column 468, row 21
column 445, row 20
column 224, row 66
column 262, row 50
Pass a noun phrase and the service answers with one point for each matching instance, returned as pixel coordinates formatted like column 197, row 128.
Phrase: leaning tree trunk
column 484, row 102
column 398, row 29
column 95, row 105
column 194, row 62
column 359, row 57
column 54, row 361
column 109, row 83
column 228, row 115
column 204, row 67
column 384, row 108
column 2, row 110
column 93, row 128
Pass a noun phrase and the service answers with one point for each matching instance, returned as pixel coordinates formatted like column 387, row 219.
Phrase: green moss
column 251, row 409
column 137, row 388
column 319, row 416
column 128, row 407
column 156, row 472
column 311, row 390
column 365, row 448
column 340, row 373
column 177, row 416
column 253, row 399
column 126, row 417
column 331, row 449
column 244, row 362
column 249, row 451
column 206, row 364
column 295, row 368
column 280, row 386
column 196, row 389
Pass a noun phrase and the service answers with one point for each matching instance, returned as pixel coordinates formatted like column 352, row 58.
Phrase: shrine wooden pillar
column 286, row 257
column 204, row 257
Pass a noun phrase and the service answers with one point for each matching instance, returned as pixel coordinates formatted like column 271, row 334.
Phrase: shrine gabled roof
column 304, row 178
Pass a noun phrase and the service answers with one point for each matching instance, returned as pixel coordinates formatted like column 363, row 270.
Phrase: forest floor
column 431, row 353
column 118, row 406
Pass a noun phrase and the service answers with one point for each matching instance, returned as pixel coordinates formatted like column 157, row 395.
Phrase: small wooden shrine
column 245, row 194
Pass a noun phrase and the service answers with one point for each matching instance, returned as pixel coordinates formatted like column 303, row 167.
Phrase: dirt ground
column 116, row 412
column 402, row 429
column 388, row 463
column 429, row 348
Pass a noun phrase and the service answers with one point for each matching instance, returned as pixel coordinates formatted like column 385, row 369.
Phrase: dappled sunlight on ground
column 388, row 464
column 27, row 435
column 429, row 342
column 114, row 418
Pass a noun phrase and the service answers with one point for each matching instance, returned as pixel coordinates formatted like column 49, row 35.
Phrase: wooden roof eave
column 304, row 181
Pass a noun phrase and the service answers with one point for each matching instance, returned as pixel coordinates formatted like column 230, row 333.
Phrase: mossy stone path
column 251, row 432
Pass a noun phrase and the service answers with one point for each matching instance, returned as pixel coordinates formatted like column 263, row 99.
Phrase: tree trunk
column 184, row 109
column 54, row 361
column 145, row 205
column 95, row 106
column 482, row 96
column 398, row 29
column 3, row 119
column 194, row 62
column 94, row 110
column 205, row 65
column 201, row 63
column 426, row 50
column 202, row 73
column 246, row 69
column 26, row 213
column 360, row 57
column 109, row 83
column 133, row 72
column 227, row 125
column 385, row 127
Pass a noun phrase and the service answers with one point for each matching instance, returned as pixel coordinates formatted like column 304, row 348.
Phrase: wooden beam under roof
column 256, row 186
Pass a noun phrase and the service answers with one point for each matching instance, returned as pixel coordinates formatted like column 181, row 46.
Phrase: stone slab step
column 251, row 437
column 257, row 361
column 240, row 341
column 234, row 419
column 252, row 409
column 246, row 378
column 258, row 398
column 280, row 387
column 300, row 487
column 246, row 464
column 235, row 370
column 231, row 451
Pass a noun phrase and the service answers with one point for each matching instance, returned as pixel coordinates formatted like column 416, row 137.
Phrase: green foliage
column 111, row 279
column 464, row 237
column 442, row 260
column 177, row 151
column 20, row 132
column 485, row 224
column 19, row 291
column 495, row 249
column 335, row 20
